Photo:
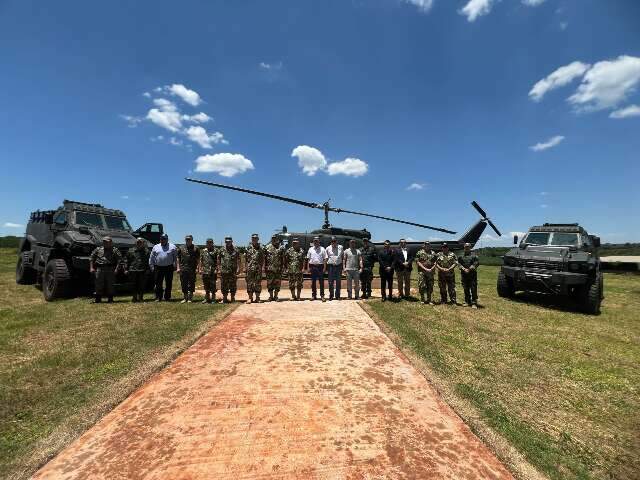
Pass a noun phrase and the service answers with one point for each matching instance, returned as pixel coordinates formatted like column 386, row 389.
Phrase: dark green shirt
column 369, row 256
column 101, row 257
column 188, row 257
column 470, row 260
column 138, row 259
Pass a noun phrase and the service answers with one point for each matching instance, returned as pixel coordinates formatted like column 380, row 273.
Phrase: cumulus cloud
column 552, row 142
column 132, row 122
column 167, row 119
column 423, row 5
column 206, row 140
column 476, row 8
column 626, row 112
column 197, row 118
column 352, row 167
column 225, row 164
column 270, row 66
column 519, row 234
column 607, row 84
column 559, row 78
column 533, row 3
column 416, row 186
column 309, row 159
column 12, row 225
column 178, row 90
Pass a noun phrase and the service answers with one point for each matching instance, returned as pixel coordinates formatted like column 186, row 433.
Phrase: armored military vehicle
column 56, row 247
column 555, row 258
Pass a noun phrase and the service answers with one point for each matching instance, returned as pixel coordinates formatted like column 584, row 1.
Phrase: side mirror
column 596, row 242
column 515, row 239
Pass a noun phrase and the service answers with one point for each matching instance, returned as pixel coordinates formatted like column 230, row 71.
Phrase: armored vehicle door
column 150, row 232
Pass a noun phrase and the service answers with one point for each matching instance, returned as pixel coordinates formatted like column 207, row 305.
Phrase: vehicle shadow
column 549, row 301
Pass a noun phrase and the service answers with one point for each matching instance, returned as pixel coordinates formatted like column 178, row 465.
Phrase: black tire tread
column 63, row 279
column 504, row 287
column 26, row 275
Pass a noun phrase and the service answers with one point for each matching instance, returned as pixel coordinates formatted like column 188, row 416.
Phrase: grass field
column 561, row 387
column 64, row 364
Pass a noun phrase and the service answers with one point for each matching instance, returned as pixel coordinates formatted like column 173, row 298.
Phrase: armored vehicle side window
column 537, row 238
column 117, row 223
column 88, row 219
column 564, row 239
column 61, row 218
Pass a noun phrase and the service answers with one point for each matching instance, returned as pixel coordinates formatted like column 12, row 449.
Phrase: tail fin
column 473, row 234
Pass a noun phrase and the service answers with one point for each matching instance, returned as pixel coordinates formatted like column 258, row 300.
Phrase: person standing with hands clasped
column 316, row 264
column 426, row 261
column 403, row 265
column 353, row 268
column 188, row 264
column 446, row 262
column 162, row 262
column 469, row 264
column 334, row 266
column 385, row 260
column 137, row 267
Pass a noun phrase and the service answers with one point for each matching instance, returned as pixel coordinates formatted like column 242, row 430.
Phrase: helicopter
column 343, row 235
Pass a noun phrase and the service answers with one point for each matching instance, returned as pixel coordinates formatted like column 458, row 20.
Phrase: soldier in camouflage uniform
column 446, row 262
column 254, row 265
column 188, row 261
column 294, row 263
column 426, row 261
column 229, row 266
column 104, row 262
column 137, row 268
column 208, row 265
column 469, row 263
column 369, row 259
column 273, row 265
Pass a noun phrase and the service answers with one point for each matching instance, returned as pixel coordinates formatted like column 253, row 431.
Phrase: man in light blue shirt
column 162, row 262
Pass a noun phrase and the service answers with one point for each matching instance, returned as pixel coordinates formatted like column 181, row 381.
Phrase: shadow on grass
column 548, row 300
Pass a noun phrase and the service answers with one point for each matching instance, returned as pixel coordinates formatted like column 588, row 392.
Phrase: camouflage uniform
column 208, row 259
column 425, row 279
column 294, row 262
column 188, row 258
column 228, row 270
column 274, row 263
column 369, row 258
column 469, row 280
column 447, row 280
column 137, row 266
column 106, row 263
column 254, row 260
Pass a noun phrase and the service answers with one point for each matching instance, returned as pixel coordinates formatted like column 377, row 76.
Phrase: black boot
column 109, row 299
column 98, row 299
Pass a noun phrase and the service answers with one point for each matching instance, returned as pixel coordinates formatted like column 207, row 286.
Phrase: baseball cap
column 164, row 236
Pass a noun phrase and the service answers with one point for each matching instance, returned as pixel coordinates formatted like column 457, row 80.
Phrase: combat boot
column 275, row 295
column 225, row 298
column 233, row 297
column 293, row 293
column 270, row 296
column 190, row 298
column 98, row 299
column 422, row 298
column 109, row 299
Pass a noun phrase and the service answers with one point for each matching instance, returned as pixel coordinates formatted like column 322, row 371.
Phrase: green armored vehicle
column 55, row 250
column 555, row 258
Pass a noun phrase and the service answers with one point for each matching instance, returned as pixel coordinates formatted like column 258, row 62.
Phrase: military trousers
column 353, row 281
column 386, row 282
column 105, row 281
column 447, row 284
column 335, row 280
column 425, row 284
column 209, row 282
column 295, row 280
column 404, row 282
column 163, row 275
column 254, row 281
column 274, row 279
column 138, row 279
column 188, row 281
column 366, row 276
column 470, row 287
column 228, row 283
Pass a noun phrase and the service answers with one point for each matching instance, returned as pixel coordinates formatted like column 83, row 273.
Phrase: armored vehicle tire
column 24, row 275
column 592, row 297
column 57, row 280
column 506, row 288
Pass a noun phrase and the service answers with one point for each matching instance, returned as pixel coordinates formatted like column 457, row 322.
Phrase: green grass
column 562, row 387
column 62, row 364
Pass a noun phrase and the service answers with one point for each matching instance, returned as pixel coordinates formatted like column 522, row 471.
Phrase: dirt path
column 289, row 390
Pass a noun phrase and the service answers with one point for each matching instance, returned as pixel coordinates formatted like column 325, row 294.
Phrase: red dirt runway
column 303, row 390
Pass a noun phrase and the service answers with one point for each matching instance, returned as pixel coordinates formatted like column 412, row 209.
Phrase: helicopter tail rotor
column 483, row 214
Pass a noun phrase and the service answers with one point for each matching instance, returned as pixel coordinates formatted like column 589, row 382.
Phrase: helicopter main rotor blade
column 485, row 218
column 338, row 210
column 495, row 229
column 254, row 192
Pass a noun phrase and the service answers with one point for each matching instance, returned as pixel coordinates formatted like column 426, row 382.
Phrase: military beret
column 107, row 239
column 188, row 237
column 209, row 240
column 228, row 239
column 255, row 235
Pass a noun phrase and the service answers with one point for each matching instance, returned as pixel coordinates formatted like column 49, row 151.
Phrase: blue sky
column 530, row 107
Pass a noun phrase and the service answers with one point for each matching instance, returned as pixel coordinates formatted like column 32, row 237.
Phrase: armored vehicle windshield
column 555, row 239
column 110, row 222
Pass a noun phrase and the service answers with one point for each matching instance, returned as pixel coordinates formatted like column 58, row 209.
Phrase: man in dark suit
column 403, row 264
column 386, row 260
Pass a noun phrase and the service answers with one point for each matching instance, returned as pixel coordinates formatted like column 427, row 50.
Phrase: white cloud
column 206, row 140
column 124, row 197
column 416, row 186
column 189, row 96
column 552, row 142
column 165, row 105
column 309, row 159
column 169, row 120
column 12, row 225
column 197, row 118
column 146, row 94
column 607, row 84
column 225, row 164
column 562, row 76
column 519, row 234
column 132, row 122
column 175, row 141
column 486, row 236
column 533, row 3
column 423, row 5
column 476, row 8
column 626, row 112
column 352, row 167
column 270, row 66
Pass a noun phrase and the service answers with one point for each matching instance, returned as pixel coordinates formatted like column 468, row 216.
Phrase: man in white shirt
column 353, row 267
column 316, row 264
column 334, row 266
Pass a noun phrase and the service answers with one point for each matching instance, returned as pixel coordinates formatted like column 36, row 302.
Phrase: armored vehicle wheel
column 592, row 296
column 24, row 275
column 506, row 288
column 57, row 280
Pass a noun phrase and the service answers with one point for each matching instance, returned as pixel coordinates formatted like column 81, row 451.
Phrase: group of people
column 275, row 261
